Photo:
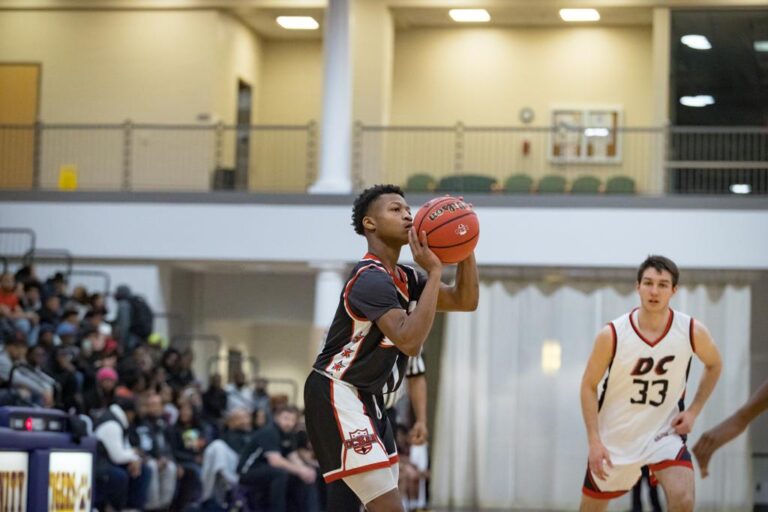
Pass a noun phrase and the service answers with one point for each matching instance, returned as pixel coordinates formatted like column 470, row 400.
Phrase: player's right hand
column 713, row 439
column 598, row 458
column 422, row 254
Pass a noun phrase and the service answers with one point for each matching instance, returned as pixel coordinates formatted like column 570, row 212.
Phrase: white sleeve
column 111, row 436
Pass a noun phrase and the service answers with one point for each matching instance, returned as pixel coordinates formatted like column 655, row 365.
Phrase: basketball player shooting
column 639, row 419
column 385, row 313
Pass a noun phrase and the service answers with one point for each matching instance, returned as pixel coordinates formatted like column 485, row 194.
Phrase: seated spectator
column 183, row 375
column 270, row 467
column 220, row 458
column 154, row 438
column 239, row 395
column 122, row 480
column 57, row 285
column 50, row 313
column 10, row 308
column 214, row 401
column 68, row 377
column 189, row 440
column 27, row 385
column 261, row 399
column 79, row 301
column 97, row 399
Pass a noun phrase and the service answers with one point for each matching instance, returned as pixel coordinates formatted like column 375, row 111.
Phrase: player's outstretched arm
column 463, row 295
column 409, row 332
column 593, row 374
column 707, row 352
column 730, row 428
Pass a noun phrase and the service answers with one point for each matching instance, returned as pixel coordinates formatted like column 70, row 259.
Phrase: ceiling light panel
column 579, row 15
column 298, row 22
column 469, row 15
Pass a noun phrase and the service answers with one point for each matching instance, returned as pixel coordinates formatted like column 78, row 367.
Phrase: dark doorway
column 243, row 140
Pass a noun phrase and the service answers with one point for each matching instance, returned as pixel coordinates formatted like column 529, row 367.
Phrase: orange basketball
column 452, row 228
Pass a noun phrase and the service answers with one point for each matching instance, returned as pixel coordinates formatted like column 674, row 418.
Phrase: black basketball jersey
column 355, row 350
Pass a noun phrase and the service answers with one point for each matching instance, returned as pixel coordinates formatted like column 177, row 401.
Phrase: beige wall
column 147, row 66
column 292, row 82
column 238, row 58
column 484, row 76
column 106, row 66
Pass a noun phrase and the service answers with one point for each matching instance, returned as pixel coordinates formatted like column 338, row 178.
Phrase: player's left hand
column 683, row 422
column 419, row 433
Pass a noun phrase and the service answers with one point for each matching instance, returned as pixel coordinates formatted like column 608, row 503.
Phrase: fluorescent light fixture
column 696, row 41
column 761, row 46
column 702, row 100
column 596, row 132
column 298, row 22
column 469, row 15
column 579, row 14
column 550, row 356
column 741, row 188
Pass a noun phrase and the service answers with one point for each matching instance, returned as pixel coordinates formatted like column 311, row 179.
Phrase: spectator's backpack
column 142, row 317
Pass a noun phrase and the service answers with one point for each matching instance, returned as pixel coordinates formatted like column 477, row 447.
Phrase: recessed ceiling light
column 702, row 100
column 579, row 14
column 761, row 46
column 741, row 188
column 469, row 15
column 696, row 41
column 298, row 22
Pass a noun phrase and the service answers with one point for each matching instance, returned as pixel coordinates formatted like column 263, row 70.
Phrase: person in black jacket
column 189, row 440
column 271, row 467
column 153, row 437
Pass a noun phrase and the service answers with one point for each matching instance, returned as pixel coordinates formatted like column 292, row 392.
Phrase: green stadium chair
column 586, row 185
column 420, row 183
column 552, row 184
column 620, row 185
column 466, row 183
column 518, row 184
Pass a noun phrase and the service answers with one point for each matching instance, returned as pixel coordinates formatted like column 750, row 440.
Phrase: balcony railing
column 283, row 158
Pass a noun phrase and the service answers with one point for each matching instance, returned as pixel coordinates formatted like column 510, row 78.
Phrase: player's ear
column 369, row 224
column 674, row 289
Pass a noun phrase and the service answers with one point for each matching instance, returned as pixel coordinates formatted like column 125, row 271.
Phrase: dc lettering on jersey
column 645, row 365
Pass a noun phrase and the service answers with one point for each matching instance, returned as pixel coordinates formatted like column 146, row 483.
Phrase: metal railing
column 283, row 158
column 164, row 157
column 658, row 160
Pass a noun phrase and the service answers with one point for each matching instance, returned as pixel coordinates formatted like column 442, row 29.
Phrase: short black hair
column 364, row 200
column 660, row 263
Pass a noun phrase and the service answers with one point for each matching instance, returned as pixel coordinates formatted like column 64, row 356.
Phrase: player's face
column 655, row 289
column 391, row 217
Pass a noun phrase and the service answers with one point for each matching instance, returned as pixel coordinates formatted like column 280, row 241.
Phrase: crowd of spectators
column 165, row 443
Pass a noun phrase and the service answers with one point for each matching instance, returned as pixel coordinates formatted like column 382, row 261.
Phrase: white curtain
column 508, row 435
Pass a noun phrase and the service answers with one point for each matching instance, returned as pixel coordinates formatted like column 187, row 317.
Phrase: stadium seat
column 518, row 184
column 466, row 183
column 586, row 185
column 552, row 184
column 620, row 185
column 420, row 183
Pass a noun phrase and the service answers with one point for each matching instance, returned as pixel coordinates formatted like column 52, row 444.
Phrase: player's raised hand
column 598, row 459
column 421, row 252
column 683, row 422
column 713, row 439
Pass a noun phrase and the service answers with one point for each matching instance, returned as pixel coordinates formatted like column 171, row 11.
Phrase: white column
column 336, row 126
column 328, row 284
column 660, row 87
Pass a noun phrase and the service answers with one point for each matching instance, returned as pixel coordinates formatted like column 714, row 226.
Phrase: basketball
column 452, row 228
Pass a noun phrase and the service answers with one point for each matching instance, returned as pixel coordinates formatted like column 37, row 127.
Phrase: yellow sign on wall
column 68, row 177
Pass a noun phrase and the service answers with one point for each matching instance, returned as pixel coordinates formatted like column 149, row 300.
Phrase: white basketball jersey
column 645, row 386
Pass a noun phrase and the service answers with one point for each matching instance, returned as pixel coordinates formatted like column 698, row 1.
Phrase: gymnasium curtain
column 508, row 435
